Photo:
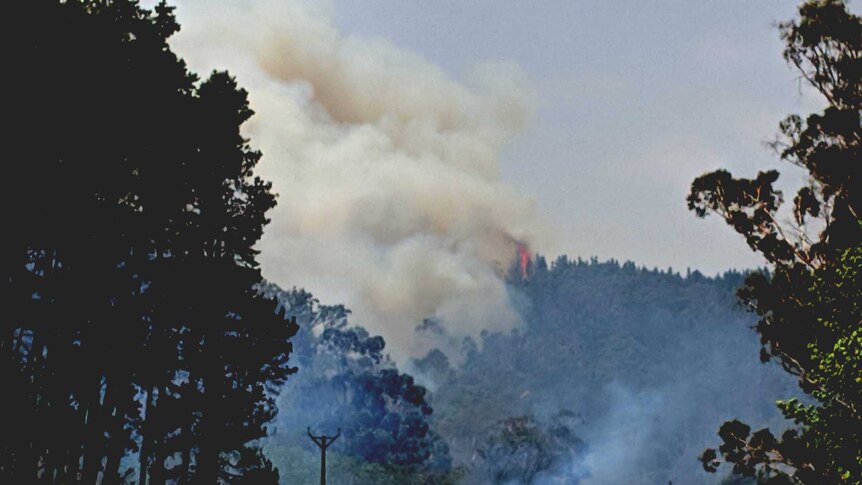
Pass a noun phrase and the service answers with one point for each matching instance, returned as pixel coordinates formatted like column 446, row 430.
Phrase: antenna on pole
column 323, row 443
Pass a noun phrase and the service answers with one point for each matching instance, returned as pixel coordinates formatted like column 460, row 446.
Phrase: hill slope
column 648, row 362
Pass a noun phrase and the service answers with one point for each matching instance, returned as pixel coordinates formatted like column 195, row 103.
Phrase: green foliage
column 810, row 305
column 520, row 450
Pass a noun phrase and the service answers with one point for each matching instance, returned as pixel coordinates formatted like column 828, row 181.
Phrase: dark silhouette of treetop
column 135, row 347
column 809, row 302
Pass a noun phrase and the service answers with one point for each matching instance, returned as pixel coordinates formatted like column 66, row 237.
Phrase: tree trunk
column 146, row 435
column 116, row 446
column 94, row 432
column 207, row 469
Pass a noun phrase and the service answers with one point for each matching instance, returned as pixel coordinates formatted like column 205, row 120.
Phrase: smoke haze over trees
column 347, row 382
column 643, row 361
column 391, row 200
column 140, row 343
column 618, row 376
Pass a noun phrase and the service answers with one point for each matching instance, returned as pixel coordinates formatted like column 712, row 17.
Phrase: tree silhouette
column 809, row 304
column 134, row 346
column 348, row 383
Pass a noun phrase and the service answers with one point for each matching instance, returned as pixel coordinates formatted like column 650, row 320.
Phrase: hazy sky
column 632, row 100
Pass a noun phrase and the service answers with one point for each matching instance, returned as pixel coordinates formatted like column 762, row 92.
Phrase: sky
column 415, row 144
column 634, row 99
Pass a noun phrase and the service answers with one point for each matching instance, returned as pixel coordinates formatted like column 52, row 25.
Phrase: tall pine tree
column 133, row 344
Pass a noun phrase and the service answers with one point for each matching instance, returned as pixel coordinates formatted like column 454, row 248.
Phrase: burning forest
column 370, row 243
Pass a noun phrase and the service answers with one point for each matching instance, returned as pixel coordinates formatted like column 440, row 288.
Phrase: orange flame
column 523, row 258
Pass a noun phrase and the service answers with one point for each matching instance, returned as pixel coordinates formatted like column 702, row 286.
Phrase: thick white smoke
column 386, row 168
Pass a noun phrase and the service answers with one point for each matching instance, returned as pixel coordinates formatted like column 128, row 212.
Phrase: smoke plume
column 390, row 200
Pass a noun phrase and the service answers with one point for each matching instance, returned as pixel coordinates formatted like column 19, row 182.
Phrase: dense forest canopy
column 347, row 382
column 618, row 374
column 642, row 361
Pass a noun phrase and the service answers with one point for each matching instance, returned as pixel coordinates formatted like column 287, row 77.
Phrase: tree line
column 134, row 345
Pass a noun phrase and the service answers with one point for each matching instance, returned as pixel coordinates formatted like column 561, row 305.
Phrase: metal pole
column 323, row 443
column 323, row 462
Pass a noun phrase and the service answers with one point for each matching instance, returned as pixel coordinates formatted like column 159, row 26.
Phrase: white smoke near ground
column 618, row 442
column 390, row 200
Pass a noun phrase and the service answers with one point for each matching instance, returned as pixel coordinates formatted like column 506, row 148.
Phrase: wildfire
column 523, row 258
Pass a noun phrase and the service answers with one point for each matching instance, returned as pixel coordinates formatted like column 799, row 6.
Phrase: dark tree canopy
column 134, row 346
column 348, row 382
column 521, row 450
column 809, row 303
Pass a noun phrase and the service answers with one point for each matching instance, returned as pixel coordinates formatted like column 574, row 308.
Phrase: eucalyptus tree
column 809, row 302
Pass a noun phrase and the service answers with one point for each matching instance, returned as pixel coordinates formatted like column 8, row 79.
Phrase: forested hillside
column 642, row 363
column 140, row 343
column 349, row 385
column 618, row 374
